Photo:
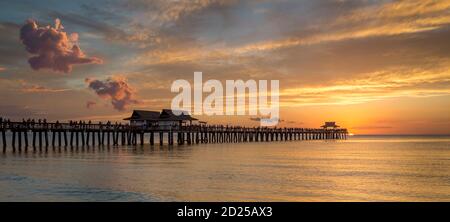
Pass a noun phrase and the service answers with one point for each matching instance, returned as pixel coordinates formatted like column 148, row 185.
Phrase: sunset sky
column 374, row 67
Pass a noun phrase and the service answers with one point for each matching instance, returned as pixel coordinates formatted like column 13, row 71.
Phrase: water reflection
column 355, row 170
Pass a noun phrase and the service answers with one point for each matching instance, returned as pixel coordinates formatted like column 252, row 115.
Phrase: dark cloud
column 134, row 35
column 255, row 118
column 108, row 31
column 52, row 47
column 115, row 88
column 100, row 12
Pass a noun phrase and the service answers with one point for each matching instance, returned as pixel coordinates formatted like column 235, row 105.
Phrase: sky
column 374, row 67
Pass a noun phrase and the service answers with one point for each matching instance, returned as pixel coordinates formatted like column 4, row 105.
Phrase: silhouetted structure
column 143, row 118
column 330, row 125
column 165, row 118
column 80, row 133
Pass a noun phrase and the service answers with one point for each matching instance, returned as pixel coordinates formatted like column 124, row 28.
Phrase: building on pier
column 165, row 119
column 143, row 118
column 330, row 125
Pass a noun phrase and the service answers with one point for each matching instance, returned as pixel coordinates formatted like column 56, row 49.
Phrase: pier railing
column 92, row 134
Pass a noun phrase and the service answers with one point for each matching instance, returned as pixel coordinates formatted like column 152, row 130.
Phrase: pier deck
column 56, row 134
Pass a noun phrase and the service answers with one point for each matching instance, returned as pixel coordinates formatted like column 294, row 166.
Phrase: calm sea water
column 370, row 168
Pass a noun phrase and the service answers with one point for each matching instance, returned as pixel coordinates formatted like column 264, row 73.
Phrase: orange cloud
column 400, row 82
column 116, row 89
column 41, row 89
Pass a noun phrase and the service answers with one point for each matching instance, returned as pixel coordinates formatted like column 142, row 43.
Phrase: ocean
column 362, row 168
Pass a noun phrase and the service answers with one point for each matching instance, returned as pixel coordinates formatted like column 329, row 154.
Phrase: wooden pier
column 42, row 135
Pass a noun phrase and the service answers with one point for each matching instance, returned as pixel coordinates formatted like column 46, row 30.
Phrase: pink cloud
column 116, row 89
column 41, row 89
column 52, row 48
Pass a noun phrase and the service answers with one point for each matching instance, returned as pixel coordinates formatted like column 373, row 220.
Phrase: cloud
column 41, row 89
column 371, row 20
column 388, row 19
column 171, row 11
column 383, row 84
column 52, row 47
column 255, row 118
column 116, row 89
column 25, row 86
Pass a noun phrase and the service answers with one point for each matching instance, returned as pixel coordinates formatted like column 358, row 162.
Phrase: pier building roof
column 175, row 115
column 144, row 115
column 330, row 125
column 164, row 115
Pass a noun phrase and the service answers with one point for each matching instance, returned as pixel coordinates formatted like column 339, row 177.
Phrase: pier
column 42, row 135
